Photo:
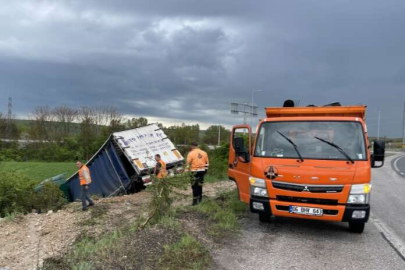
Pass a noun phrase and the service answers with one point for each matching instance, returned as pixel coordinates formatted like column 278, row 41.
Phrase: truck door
column 240, row 152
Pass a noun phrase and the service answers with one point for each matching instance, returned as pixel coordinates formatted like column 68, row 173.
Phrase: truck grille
column 308, row 188
column 307, row 200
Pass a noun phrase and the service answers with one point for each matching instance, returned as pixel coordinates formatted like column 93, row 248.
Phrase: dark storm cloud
column 187, row 59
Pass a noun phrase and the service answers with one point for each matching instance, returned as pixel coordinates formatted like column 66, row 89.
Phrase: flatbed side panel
column 353, row 111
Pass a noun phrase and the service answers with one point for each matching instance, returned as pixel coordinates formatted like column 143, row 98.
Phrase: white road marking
column 395, row 164
column 392, row 238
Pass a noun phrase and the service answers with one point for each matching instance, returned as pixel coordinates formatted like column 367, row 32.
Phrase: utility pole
column 403, row 130
column 9, row 117
column 378, row 132
column 219, row 135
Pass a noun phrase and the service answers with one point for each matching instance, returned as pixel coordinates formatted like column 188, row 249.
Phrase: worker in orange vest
column 160, row 168
column 85, row 181
column 197, row 162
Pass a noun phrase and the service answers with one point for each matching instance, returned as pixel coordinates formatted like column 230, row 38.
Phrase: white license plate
column 306, row 210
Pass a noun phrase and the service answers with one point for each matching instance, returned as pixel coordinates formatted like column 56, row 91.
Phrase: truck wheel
column 356, row 227
column 265, row 218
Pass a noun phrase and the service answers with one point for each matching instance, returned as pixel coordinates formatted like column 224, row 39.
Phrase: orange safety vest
column 162, row 172
column 198, row 160
column 81, row 175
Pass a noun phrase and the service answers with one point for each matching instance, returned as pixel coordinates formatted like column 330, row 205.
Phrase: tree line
column 64, row 133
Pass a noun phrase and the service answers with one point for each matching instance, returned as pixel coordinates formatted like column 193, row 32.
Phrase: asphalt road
column 398, row 164
column 304, row 244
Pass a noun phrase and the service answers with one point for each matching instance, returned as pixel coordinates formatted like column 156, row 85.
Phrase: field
column 39, row 171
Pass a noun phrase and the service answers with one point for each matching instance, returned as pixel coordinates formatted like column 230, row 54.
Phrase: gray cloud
column 178, row 59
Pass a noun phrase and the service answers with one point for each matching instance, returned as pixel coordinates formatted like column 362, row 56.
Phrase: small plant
column 162, row 197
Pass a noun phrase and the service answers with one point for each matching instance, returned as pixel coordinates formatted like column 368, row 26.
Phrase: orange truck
column 307, row 162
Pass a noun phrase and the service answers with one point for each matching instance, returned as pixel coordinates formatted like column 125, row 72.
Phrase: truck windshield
column 347, row 135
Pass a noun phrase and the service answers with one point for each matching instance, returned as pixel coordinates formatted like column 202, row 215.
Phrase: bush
column 50, row 197
column 219, row 161
column 16, row 190
column 17, row 195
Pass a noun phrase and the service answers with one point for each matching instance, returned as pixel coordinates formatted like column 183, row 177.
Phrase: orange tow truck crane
column 307, row 162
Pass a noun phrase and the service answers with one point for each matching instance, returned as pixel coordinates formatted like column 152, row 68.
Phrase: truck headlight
column 262, row 192
column 258, row 187
column 257, row 182
column 359, row 194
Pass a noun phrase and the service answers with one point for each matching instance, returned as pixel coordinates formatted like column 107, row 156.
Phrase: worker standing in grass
column 85, row 181
column 197, row 162
column 160, row 168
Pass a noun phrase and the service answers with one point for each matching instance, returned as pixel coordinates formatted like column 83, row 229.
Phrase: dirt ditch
column 27, row 240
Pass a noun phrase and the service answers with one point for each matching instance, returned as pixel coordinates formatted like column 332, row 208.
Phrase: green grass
column 224, row 211
column 188, row 253
column 39, row 171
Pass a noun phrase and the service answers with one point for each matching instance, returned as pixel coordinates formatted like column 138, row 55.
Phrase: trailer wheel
column 356, row 227
column 265, row 218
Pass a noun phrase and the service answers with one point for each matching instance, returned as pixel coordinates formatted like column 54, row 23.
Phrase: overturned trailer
column 125, row 161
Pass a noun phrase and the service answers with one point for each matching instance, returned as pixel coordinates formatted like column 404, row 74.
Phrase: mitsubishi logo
column 271, row 172
column 306, row 189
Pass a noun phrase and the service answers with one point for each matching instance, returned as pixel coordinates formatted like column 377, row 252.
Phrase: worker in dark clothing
column 197, row 162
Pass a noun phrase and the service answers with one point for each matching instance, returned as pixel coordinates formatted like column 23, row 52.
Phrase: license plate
column 306, row 210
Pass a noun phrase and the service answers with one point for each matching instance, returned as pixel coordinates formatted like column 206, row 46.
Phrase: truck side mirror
column 378, row 154
column 240, row 149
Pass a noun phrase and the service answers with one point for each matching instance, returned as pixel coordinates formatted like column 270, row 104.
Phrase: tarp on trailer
column 107, row 173
column 124, row 154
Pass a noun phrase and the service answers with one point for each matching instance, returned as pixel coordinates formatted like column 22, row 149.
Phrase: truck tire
column 356, row 227
column 265, row 218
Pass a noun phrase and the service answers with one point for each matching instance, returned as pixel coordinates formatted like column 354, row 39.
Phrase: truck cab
column 306, row 162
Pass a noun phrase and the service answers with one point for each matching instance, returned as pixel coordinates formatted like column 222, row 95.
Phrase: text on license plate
column 306, row 210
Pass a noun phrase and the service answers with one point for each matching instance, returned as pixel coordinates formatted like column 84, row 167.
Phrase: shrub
column 17, row 195
column 50, row 197
column 16, row 190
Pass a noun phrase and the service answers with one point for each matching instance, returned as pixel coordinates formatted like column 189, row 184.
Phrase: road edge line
column 392, row 238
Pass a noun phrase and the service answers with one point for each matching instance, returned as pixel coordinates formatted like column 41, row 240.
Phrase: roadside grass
column 167, row 243
column 188, row 253
column 224, row 211
column 39, row 171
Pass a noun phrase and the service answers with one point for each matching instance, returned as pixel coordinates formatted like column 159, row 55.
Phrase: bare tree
column 115, row 119
column 65, row 116
column 41, row 126
column 87, row 130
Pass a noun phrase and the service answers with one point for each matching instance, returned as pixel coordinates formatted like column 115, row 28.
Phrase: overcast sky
column 184, row 60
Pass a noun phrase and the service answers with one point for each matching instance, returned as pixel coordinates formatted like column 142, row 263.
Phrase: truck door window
column 241, row 149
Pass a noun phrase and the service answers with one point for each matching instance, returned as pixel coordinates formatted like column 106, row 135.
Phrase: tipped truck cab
column 306, row 162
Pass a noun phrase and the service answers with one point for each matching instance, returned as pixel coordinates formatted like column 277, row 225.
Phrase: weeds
column 224, row 211
column 97, row 212
column 188, row 253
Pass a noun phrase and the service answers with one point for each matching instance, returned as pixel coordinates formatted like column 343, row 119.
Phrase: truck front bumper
column 343, row 213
